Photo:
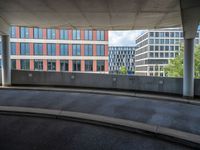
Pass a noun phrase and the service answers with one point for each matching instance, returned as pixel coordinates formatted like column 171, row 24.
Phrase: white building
column 154, row 49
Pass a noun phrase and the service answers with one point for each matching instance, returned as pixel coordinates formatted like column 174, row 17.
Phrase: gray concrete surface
column 180, row 116
column 137, row 83
column 19, row 133
column 180, row 137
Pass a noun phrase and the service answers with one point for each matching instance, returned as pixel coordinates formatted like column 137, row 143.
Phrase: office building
column 60, row 50
column 121, row 56
column 154, row 49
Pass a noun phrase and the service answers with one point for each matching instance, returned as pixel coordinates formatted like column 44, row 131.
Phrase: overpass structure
column 103, row 14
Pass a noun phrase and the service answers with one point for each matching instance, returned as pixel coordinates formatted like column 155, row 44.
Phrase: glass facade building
column 60, row 50
column 155, row 48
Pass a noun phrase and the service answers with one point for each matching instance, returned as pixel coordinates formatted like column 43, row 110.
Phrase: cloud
column 123, row 38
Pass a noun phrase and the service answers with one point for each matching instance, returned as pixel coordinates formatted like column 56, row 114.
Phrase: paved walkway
column 180, row 116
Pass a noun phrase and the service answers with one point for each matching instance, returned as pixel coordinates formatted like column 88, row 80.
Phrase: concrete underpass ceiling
column 101, row 14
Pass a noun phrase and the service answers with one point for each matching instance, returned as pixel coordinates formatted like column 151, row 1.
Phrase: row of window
column 165, row 41
column 64, row 65
column 162, row 55
column 51, row 34
column 166, row 34
column 164, row 48
column 51, row 49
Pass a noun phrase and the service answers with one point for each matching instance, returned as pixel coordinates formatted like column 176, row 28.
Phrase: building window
column 63, row 49
column 88, row 50
column 151, row 41
column 100, row 50
column 38, row 49
column 151, row 34
column 76, row 65
column 13, row 64
column 88, row 34
column 88, row 65
column 51, row 49
column 151, row 48
column 51, row 34
column 13, row 32
column 76, row 49
column 13, row 48
column 24, row 32
column 24, row 49
column 38, row 65
column 25, row 64
column 51, row 65
column 64, row 65
column 64, row 34
column 100, row 65
column 100, row 36
column 38, row 33
column 76, row 35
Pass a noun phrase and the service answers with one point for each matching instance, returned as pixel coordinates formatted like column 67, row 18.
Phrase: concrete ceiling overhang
column 95, row 14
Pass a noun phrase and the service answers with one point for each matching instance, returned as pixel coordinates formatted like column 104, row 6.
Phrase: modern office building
column 59, row 50
column 155, row 48
column 121, row 56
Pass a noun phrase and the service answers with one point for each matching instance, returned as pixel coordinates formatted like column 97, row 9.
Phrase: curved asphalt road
column 27, row 133
column 180, row 116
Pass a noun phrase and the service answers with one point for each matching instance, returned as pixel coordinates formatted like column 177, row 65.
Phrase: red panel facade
column 44, row 48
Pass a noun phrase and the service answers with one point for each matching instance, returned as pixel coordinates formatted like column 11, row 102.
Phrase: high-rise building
column 59, row 50
column 121, row 56
column 154, row 49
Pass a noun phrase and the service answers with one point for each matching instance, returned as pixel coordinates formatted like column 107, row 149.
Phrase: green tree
column 123, row 70
column 175, row 66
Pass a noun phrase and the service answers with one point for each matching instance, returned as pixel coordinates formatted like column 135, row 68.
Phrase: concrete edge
column 184, row 138
column 107, row 92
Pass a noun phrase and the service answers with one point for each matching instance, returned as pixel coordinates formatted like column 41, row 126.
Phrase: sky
column 123, row 38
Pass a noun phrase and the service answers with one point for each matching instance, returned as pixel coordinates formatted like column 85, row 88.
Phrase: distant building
column 60, row 50
column 155, row 48
column 121, row 56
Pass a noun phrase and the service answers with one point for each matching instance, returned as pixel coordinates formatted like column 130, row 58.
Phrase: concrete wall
column 121, row 82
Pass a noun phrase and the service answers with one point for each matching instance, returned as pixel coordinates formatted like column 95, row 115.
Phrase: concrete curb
column 184, row 138
column 107, row 92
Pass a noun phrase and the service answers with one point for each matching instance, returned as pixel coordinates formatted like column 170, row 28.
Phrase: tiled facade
column 155, row 48
column 59, row 50
column 121, row 56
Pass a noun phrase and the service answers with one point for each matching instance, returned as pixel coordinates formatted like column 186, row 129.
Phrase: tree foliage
column 175, row 66
column 123, row 70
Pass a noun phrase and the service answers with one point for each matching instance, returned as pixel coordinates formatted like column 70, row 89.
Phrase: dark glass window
column 13, row 64
column 76, row 35
column 24, row 49
column 100, row 65
column 64, row 65
column 38, row 34
column 13, row 48
column 76, row 65
column 88, row 50
column 24, row 32
column 88, row 34
column 51, row 34
column 13, row 32
column 100, row 50
column 38, row 49
column 51, row 65
column 25, row 64
column 64, row 34
column 76, row 49
column 38, row 65
column 51, row 49
column 100, row 35
column 88, row 65
column 63, row 49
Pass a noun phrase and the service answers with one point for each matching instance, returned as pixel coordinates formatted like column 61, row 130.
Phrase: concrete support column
column 6, row 64
column 188, row 75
